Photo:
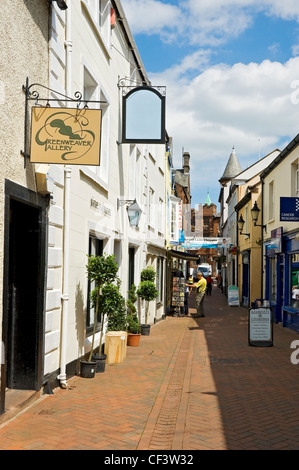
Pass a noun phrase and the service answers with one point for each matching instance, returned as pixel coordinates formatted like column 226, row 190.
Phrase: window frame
column 96, row 248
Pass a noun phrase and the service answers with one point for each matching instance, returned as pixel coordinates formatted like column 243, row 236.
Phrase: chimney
column 186, row 158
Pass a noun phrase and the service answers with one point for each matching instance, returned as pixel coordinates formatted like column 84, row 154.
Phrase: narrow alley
column 193, row 384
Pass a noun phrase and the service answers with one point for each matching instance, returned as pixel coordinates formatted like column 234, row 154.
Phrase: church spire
column 208, row 199
column 233, row 167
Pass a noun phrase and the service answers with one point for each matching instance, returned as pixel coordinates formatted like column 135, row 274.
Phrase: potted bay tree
column 102, row 272
column 148, row 292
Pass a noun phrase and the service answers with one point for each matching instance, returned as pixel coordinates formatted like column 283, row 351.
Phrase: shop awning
column 183, row 255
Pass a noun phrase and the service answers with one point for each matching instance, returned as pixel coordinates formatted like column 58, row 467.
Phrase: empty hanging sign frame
column 143, row 116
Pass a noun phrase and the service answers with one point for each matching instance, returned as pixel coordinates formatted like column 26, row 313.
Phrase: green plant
column 132, row 298
column 133, row 324
column 101, row 270
column 113, row 304
column 148, row 274
column 147, row 291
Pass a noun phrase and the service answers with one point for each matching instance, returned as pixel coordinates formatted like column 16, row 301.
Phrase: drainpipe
column 67, row 196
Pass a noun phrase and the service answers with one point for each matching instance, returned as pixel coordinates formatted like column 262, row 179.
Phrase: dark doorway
column 131, row 266
column 246, row 279
column 24, row 287
column 23, row 278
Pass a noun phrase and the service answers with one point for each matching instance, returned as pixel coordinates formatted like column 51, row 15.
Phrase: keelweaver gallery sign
column 66, row 136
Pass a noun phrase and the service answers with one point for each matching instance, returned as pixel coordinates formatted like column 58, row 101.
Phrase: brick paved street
column 193, row 384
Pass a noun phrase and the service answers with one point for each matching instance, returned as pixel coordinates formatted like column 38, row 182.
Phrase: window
column 295, row 280
column 104, row 19
column 160, row 283
column 100, row 12
column 161, row 216
column 151, row 207
column 173, row 234
column 272, row 267
column 245, row 230
column 271, row 200
column 295, row 179
column 96, row 249
column 93, row 91
column 134, row 186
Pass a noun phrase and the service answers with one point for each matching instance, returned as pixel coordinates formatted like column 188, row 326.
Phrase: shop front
column 177, row 276
column 290, row 308
column 282, row 277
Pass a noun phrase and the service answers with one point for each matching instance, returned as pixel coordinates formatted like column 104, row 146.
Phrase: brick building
column 209, row 229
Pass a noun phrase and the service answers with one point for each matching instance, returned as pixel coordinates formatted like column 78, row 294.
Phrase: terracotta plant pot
column 133, row 339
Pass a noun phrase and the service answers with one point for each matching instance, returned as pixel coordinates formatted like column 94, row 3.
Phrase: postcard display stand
column 178, row 294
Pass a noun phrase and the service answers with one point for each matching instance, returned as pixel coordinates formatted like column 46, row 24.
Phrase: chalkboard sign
column 260, row 327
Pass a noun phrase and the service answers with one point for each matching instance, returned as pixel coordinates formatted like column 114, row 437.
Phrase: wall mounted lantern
column 255, row 211
column 60, row 3
column 241, row 223
column 255, row 215
column 134, row 211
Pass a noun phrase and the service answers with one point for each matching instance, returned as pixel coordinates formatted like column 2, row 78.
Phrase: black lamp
column 241, row 223
column 255, row 215
column 60, row 3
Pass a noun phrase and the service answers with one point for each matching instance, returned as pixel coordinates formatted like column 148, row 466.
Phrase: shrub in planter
column 101, row 270
column 147, row 291
column 114, row 305
column 133, row 324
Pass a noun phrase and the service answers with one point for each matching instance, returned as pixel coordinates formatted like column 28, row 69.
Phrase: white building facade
column 76, row 210
column 92, row 51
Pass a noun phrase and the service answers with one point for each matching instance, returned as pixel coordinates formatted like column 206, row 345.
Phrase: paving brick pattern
column 193, row 384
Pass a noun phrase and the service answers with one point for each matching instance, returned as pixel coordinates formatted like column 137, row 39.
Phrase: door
column 246, row 279
column 23, row 291
column 24, row 287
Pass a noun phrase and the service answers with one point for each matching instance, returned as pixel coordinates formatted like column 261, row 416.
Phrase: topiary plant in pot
column 102, row 271
column 133, row 325
column 147, row 291
column 114, row 305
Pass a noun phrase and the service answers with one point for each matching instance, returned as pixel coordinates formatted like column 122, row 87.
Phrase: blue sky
column 231, row 71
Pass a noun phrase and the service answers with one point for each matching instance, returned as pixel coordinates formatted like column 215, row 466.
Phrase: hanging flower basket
column 234, row 250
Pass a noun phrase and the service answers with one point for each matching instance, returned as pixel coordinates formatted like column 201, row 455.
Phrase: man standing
column 200, row 293
column 209, row 284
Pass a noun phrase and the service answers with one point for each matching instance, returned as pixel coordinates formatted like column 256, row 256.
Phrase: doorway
column 24, row 287
column 246, row 279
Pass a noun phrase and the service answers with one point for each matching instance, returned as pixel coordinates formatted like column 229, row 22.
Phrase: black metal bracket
column 128, row 84
column 31, row 94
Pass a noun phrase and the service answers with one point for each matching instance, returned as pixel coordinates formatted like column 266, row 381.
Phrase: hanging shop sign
column 289, row 209
column 260, row 327
column 144, row 115
column 206, row 243
column 275, row 245
column 65, row 136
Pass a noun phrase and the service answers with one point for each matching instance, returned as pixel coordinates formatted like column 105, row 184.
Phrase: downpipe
column 67, row 195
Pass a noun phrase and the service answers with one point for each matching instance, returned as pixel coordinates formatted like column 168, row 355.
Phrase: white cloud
column 210, row 109
column 202, row 22
column 225, row 106
column 150, row 16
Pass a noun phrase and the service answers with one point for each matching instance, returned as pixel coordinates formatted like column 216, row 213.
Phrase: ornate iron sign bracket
column 31, row 94
column 126, row 84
